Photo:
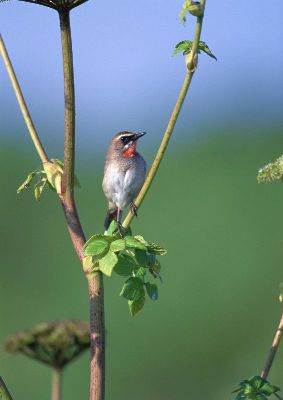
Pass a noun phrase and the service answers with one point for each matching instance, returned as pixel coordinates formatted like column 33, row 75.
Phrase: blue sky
column 125, row 75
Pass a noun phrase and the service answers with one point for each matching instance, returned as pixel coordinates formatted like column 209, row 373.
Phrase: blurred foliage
column 272, row 171
column 55, row 343
column 216, row 317
column 256, row 388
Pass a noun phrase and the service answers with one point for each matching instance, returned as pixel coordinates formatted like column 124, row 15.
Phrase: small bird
column 124, row 175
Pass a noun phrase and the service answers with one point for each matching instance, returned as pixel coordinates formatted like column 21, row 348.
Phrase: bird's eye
column 125, row 139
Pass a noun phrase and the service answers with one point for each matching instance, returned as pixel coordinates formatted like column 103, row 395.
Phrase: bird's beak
column 138, row 135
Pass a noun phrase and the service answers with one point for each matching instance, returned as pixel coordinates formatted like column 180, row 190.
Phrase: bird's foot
column 133, row 208
column 120, row 229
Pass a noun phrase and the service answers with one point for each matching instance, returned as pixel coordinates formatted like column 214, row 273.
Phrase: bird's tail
column 111, row 214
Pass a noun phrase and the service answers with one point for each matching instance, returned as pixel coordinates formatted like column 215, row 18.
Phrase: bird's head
column 126, row 142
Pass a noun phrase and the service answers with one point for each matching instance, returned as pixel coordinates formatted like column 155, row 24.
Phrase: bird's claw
column 120, row 229
column 133, row 208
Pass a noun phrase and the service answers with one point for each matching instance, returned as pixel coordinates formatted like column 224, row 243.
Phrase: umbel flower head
column 57, row 4
column 55, row 343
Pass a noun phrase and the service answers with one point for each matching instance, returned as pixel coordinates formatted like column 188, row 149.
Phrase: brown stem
column 97, row 329
column 95, row 281
column 273, row 350
column 56, row 384
column 69, row 91
column 74, row 225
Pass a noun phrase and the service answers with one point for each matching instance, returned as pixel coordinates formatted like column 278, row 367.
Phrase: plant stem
column 191, row 67
column 273, row 350
column 27, row 118
column 95, row 281
column 4, row 392
column 69, row 90
column 57, row 375
column 97, row 339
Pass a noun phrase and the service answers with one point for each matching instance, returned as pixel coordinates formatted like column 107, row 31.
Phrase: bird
column 124, row 175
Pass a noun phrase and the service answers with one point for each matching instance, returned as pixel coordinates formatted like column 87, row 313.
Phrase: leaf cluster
column 256, row 388
column 271, row 172
column 185, row 47
column 49, row 175
column 129, row 256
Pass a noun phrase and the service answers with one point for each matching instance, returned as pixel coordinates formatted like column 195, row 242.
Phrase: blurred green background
column 218, row 306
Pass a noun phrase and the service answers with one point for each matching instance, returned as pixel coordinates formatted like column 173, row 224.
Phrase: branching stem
column 273, row 350
column 27, row 118
column 172, row 121
column 95, row 281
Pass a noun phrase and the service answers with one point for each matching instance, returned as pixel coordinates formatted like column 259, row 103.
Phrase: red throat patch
column 131, row 151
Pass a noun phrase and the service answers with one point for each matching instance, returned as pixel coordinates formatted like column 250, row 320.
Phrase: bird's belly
column 122, row 188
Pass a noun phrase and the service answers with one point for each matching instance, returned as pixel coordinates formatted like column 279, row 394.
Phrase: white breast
column 122, row 187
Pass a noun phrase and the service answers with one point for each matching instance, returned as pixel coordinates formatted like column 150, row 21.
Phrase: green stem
column 57, row 375
column 4, row 392
column 191, row 66
column 273, row 350
column 95, row 281
column 21, row 101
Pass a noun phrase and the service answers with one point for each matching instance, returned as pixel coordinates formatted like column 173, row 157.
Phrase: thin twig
column 32, row 131
column 273, row 350
column 172, row 121
column 95, row 281
column 4, row 392
column 57, row 375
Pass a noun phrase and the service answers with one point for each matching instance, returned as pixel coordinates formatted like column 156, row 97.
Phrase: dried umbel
column 55, row 343
column 57, row 4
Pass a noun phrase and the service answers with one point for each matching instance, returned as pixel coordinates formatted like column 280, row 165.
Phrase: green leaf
column 111, row 228
column 118, row 245
column 54, row 174
column 140, row 272
column 269, row 389
column 125, row 265
column 142, row 257
column 132, row 289
column 96, row 245
column 107, row 263
column 133, row 243
column 152, row 290
column 256, row 388
column 141, row 239
column 136, row 305
column 184, row 11
column 155, row 268
column 204, row 47
column 156, row 249
column 38, row 189
column 186, row 46
column 27, row 181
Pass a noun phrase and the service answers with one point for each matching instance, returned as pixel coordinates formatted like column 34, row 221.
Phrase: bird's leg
column 120, row 228
column 133, row 208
